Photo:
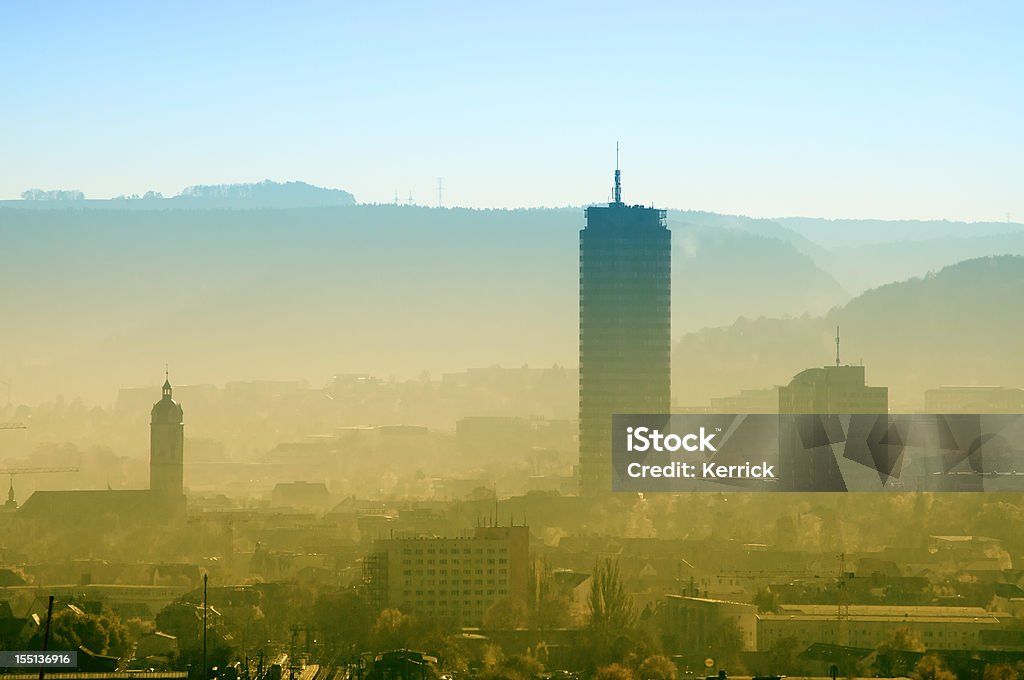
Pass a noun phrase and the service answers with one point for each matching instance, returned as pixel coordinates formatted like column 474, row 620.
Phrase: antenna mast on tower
column 618, row 177
column 837, row 345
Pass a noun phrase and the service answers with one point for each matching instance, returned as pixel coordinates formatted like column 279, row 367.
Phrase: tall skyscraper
column 166, row 445
column 625, row 326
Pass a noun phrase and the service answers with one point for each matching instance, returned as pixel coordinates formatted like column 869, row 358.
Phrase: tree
column 766, row 601
column 344, row 619
column 73, row 628
column 783, row 656
column 727, row 642
column 657, row 667
column 902, row 639
column 218, row 653
column 179, row 619
column 890, row 661
column 507, row 613
column 553, row 611
column 392, row 630
column 611, row 607
column 931, row 667
column 525, row 665
column 615, row 671
column 996, row 671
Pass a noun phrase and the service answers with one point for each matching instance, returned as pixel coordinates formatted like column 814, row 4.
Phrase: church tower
column 166, row 445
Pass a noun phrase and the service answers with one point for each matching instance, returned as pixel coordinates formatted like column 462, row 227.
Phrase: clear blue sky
column 835, row 109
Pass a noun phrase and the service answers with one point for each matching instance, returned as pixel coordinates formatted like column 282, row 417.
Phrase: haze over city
column 301, row 380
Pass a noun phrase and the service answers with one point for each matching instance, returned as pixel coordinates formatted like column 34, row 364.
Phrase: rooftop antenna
column 410, row 196
column 440, row 187
column 837, row 345
column 618, row 176
column 167, row 373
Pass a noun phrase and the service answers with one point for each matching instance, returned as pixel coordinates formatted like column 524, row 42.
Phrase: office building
column 455, row 579
column 625, row 320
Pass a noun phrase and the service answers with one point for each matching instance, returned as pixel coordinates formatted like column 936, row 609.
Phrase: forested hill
column 960, row 325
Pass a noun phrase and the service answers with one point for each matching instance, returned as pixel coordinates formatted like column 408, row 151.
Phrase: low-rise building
column 937, row 627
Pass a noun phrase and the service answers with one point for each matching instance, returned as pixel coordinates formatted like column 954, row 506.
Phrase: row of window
column 455, row 582
column 452, row 551
column 454, row 593
column 479, row 560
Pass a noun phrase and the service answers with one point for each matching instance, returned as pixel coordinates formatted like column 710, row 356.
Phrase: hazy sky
column 836, row 109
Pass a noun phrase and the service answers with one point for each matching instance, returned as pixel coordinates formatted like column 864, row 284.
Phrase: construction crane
column 11, row 502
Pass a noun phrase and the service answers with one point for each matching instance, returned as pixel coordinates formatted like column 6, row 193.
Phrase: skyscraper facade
column 625, row 326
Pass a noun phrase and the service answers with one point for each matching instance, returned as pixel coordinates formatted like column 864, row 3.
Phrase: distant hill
column 753, row 225
column 105, row 297
column 848, row 233
column 721, row 273
column 868, row 266
column 265, row 194
column 864, row 254
column 960, row 325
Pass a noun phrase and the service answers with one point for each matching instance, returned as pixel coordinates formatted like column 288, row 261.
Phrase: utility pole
column 843, row 604
column 46, row 634
column 206, row 669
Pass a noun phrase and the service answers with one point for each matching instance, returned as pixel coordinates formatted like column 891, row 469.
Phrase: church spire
column 167, row 382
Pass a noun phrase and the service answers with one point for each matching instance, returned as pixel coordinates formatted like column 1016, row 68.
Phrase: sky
column 833, row 109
